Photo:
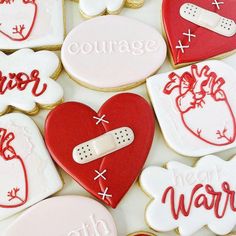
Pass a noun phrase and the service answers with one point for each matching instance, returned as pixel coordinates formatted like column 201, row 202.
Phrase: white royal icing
column 31, row 23
column 93, row 7
column 214, row 175
column 48, row 91
column 196, row 112
column 103, row 145
column 27, row 173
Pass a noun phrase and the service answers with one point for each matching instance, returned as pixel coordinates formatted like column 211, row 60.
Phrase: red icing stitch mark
column 198, row 91
column 8, row 153
column 20, row 81
column 211, row 200
column 19, row 31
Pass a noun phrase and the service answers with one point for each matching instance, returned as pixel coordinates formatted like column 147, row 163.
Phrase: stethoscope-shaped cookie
column 208, row 19
column 103, row 145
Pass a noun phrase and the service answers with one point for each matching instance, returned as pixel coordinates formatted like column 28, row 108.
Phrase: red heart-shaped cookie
column 198, row 43
column 74, row 123
column 17, row 18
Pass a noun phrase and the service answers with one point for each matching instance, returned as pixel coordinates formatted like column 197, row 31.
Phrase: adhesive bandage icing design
column 103, row 145
column 208, row 19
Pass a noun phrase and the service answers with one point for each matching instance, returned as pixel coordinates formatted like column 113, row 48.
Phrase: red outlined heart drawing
column 201, row 95
column 13, row 191
column 17, row 18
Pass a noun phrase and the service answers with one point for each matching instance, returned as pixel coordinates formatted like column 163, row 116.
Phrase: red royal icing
column 196, row 90
column 7, row 152
column 72, row 123
column 18, row 31
column 206, row 44
column 211, row 200
column 20, row 81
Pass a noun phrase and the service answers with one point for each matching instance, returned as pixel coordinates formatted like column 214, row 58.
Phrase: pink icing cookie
column 27, row 173
column 112, row 53
column 31, row 23
column 195, row 107
column 68, row 215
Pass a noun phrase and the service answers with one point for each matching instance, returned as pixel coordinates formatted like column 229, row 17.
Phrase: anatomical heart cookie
column 198, row 30
column 31, row 23
column 195, row 107
column 104, row 151
column 27, row 174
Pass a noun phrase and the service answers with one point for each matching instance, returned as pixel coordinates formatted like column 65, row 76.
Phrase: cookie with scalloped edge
column 180, row 194
column 28, row 81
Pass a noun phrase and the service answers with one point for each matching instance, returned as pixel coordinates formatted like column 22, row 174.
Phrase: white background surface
column 129, row 215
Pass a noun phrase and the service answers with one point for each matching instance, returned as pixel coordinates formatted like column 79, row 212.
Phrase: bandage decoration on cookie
column 74, row 216
column 120, row 57
column 31, row 23
column 27, row 80
column 195, row 107
column 26, row 169
column 183, row 194
column 103, row 151
column 198, row 30
column 92, row 8
column 208, row 19
column 103, row 145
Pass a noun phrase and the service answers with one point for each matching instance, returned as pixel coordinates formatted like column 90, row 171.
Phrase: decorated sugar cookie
column 105, row 150
column 92, row 8
column 181, row 194
column 74, row 216
column 98, row 56
column 198, row 30
column 26, row 169
column 31, row 23
column 27, row 81
column 195, row 107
